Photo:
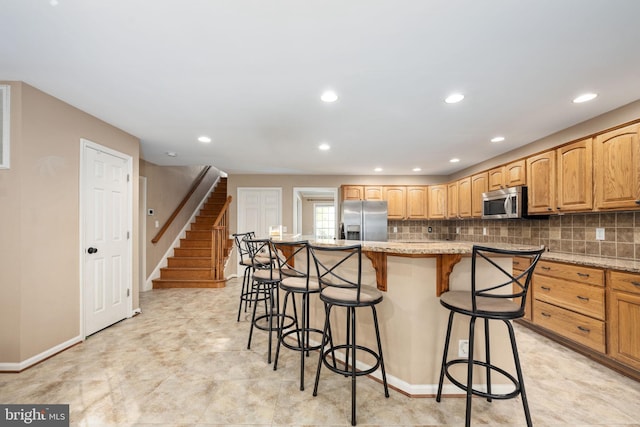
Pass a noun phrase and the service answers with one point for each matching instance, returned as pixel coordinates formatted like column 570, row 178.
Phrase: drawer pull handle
column 545, row 314
column 545, row 288
column 545, row 268
column 516, row 263
column 582, row 298
column 583, row 274
column 583, row 329
column 636, row 284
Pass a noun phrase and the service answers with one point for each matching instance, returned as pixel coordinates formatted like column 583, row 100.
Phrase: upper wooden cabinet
column 417, row 202
column 541, row 173
column 515, row 173
column 396, row 197
column 373, row 192
column 437, row 201
column 452, row 200
column 479, row 185
column 464, row 197
column 617, row 168
column 352, row 192
column 575, row 177
column 510, row 175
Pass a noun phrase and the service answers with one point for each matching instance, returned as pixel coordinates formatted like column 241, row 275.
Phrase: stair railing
column 219, row 242
column 184, row 201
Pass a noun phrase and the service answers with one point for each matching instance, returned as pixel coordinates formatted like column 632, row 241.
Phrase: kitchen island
column 412, row 321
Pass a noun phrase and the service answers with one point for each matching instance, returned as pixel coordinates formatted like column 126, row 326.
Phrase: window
column 324, row 221
column 4, row 126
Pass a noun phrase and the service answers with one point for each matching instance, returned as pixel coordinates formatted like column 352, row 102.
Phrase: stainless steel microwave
column 505, row 203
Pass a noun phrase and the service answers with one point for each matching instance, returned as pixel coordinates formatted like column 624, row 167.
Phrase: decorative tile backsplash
column 570, row 233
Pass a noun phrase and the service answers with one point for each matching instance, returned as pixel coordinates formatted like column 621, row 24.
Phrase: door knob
column 92, row 250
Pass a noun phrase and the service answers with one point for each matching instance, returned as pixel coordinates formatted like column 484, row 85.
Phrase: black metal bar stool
column 295, row 281
column 489, row 301
column 244, row 259
column 265, row 288
column 339, row 271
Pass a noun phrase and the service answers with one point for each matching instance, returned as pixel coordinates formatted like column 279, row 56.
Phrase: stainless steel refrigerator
column 365, row 220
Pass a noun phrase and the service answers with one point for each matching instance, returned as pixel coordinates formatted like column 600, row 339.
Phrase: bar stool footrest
column 481, row 393
column 275, row 321
column 345, row 371
column 301, row 331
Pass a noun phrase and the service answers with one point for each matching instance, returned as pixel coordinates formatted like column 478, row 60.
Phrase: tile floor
column 184, row 362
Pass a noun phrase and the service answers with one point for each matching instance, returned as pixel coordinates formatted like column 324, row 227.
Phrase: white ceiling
column 249, row 74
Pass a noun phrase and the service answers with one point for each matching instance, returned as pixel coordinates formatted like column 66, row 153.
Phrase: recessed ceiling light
column 324, row 146
column 584, row 97
column 204, row 139
column 329, row 96
column 453, row 98
column 171, row 154
column 416, row 169
column 378, row 169
column 454, row 160
column 53, row 2
column 497, row 139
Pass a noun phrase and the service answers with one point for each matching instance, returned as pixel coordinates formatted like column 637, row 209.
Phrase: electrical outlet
column 463, row 348
column 457, row 230
column 429, row 230
column 599, row 233
column 395, row 229
column 484, row 231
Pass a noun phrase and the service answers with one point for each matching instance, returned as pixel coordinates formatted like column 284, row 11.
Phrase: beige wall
column 613, row 118
column 40, row 246
column 166, row 187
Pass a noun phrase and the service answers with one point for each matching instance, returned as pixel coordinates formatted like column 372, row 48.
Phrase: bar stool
column 339, row 271
column 265, row 280
column 244, row 259
column 494, row 301
column 295, row 281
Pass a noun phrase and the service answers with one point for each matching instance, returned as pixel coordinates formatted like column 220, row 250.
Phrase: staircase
column 191, row 264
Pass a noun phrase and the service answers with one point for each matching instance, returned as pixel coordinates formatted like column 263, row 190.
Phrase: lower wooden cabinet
column 569, row 324
column 569, row 300
column 623, row 335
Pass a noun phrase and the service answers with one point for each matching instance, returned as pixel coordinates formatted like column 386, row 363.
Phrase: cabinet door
column 575, row 177
column 617, row 168
column 396, row 202
column 496, row 178
column 437, row 201
column 352, row 192
column 515, row 173
column 464, row 197
column 417, row 202
column 541, row 175
column 623, row 337
column 452, row 200
column 373, row 193
column 479, row 185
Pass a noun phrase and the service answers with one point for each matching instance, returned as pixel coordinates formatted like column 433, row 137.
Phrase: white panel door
column 259, row 208
column 106, row 244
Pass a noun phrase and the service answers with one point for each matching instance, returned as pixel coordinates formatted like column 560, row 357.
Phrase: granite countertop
column 435, row 247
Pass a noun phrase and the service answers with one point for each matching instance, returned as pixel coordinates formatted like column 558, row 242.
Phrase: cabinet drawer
column 585, row 299
column 574, row 326
column 592, row 276
column 627, row 282
column 521, row 263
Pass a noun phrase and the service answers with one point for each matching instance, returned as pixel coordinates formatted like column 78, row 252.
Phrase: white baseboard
column 17, row 367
